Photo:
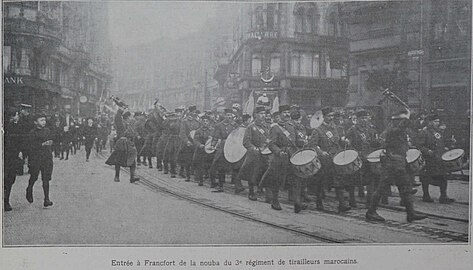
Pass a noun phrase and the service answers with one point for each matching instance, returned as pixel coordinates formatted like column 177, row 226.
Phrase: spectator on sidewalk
column 89, row 132
column 12, row 143
column 41, row 158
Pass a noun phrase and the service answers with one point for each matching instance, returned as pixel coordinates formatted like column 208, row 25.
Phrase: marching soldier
column 141, row 135
column 255, row 141
column 124, row 153
column 202, row 160
column 432, row 142
column 188, row 124
column 363, row 138
column 394, row 168
column 219, row 164
column 171, row 148
column 327, row 139
column 282, row 136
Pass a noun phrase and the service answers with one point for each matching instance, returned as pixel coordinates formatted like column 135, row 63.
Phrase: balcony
column 47, row 30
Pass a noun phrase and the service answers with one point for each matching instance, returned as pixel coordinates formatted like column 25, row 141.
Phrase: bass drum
column 233, row 150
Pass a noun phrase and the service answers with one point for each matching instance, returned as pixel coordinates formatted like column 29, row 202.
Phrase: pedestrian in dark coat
column 41, row 158
column 89, row 132
column 12, row 146
column 58, row 131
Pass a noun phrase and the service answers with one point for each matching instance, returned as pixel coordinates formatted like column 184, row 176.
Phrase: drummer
column 364, row 139
column 394, row 168
column 283, row 144
column 432, row 142
column 188, row 124
column 171, row 148
column 219, row 164
column 255, row 140
column 327, row 141
column 202, row 160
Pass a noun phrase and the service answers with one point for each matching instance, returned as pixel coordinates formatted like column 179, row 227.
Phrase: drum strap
column 261, row 131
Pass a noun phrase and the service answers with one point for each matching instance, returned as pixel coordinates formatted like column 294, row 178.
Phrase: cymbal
column 317, row 119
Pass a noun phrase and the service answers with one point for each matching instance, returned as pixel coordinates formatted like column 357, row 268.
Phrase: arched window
column 309, row 21
column 332, row 24
column 271, row 18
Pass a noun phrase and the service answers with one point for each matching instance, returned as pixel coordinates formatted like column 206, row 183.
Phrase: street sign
column 415, row 53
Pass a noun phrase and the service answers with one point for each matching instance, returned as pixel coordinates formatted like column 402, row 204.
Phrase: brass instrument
column 390, row 95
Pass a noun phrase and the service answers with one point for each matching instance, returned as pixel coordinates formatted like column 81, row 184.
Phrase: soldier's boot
column 275, row 200
column 213, row 182
column 165, row 167
column 297, row 192
column 181, row 172
column 411, row 214
column 371, row 214
column 267, row 195
column 290, row 195
column 443, row 192
column 117, row 174
column 361, row 191
column 199, row 177
column 29, row 193
column 251, row 193
column 319, row 201
column 150, row 162
column 133, row 177
column 425, row 193
column 351, row 193
column 6, row 200
column 188, row 173
column 342, row 207
column 138, row 161
column 304, row 196
column 159, row 165
column 47, row 202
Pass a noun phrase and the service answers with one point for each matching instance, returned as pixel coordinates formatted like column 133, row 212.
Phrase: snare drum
column 415, row 161
column 374, row 161
column 266, row 151
column 347, row 162
column 453, row 160
column 305, row 162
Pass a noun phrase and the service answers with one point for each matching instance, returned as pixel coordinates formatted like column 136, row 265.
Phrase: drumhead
column 302, row 157
column 233, row 150
column 412, row 155
column 345, row 157
column 374, row 156
column 453, row 154
column 266, row 151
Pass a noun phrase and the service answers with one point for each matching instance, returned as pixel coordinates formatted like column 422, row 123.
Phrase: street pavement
column 90, row 209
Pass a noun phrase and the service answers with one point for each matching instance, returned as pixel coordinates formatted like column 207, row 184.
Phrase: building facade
column 295, row 51
column 56, row 55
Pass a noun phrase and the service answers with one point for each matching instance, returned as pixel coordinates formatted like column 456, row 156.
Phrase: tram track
column 147, row 177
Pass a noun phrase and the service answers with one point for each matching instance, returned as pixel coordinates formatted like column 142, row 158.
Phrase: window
column 256, row 62
column 299, row 20
column 332, row 25
column 334, row 69
column 6, row 58
column 305, row 64
column 275, row 65
column 270, row 17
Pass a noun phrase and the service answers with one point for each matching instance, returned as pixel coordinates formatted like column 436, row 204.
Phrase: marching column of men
column 196, row 141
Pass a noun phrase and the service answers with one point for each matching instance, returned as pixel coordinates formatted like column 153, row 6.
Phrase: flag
column 275, row 105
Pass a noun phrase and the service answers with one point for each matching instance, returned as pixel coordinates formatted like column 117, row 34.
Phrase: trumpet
column 390, row 95
column 119, row 102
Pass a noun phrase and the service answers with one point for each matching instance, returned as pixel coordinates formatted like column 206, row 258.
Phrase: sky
column 137, row 22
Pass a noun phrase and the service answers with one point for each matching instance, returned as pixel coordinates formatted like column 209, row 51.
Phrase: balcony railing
column 24, row 26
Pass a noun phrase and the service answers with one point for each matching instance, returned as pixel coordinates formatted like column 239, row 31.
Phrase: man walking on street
column 41, row 158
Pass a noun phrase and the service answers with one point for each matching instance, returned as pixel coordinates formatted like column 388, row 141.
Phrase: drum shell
column 416, row 166
column 308, row 169
column 453, row 165
column 349, row 168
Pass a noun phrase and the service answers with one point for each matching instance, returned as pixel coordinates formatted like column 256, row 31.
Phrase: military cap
column 295, row 115
column 259, row 109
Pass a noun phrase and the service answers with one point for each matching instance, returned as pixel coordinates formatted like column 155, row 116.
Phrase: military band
column 289, row 150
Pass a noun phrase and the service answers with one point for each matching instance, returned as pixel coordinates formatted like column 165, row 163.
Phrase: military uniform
column 201, row 160
column 219, row 164
column 12, row 146
column 187, row 148
column 255, row 163
column 395, row 171
column 433, row 143
column 173, row 142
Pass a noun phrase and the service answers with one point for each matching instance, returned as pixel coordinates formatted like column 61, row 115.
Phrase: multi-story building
column 296, row 51
column 419, row 49
column 56, row 55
